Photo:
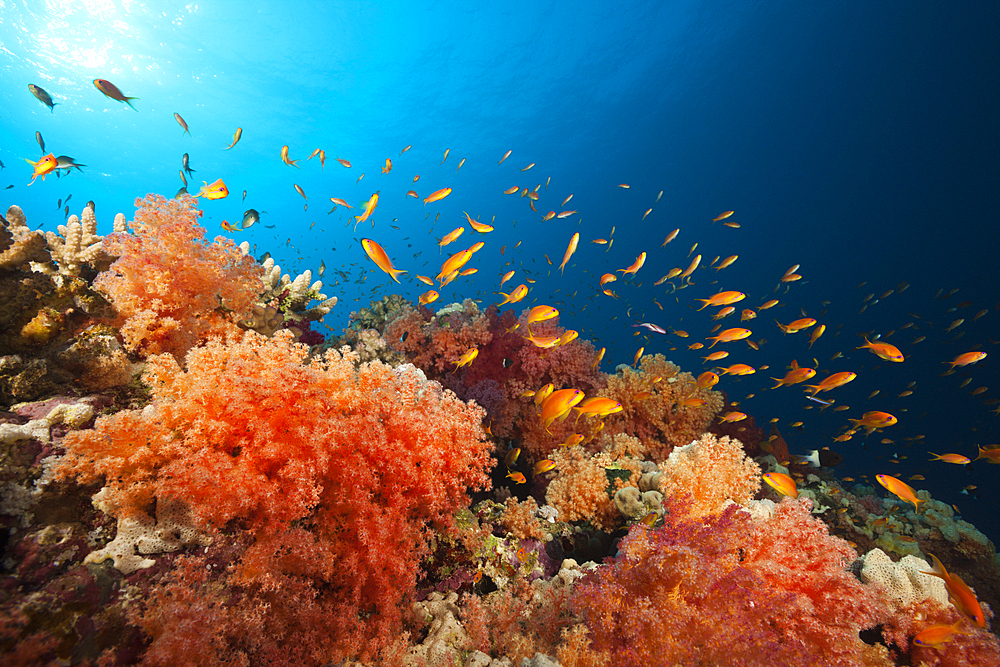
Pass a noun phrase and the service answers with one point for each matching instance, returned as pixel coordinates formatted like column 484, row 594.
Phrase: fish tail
column 126, row 101
column 396, row 272
column 780, row 383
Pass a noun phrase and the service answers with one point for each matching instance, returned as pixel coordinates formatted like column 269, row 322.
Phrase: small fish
column 244, row 193
column 647, row 325
column 286, row 160
column 518, row 477
column 570, row 249
column 369, row 207
column 41, row 142
column 446, row 151
column 505, row 156
column 900, row 489
column 322, row 268
column 42, row 96
column 722, row 299
column 966, row 359
column 298, row 188
column 518, row 294
column 797, row 325
column 216, row 190
column 883, row 350
column 438, row 195
column 460, row 163
column 184, row 179
column 182, row 123
column 936, row 635
column 236, row 138
column 565, row 214
column 959, row 592
column 388, row 166
column 412, row 193
column 544, row 465
column 726, row 262
column 430, row 296
column 408, row 147
column 111, row 90
column 43, row 167
column 381, row 259
column 511, row 190
column 951, row 458
column 467, row 358
column 250, row 217
column 344, row 163
column 340, row 202
column 722, row 216
column 730, row 335
column 782, row 483
column 451, row 236
column 185, row 163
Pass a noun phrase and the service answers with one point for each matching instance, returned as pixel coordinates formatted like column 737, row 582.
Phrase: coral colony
column 192, row 475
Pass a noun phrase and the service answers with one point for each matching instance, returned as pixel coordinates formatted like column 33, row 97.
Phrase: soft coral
column 730, row 589
column 333, row 474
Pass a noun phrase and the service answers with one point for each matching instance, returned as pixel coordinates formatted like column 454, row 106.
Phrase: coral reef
column 712, row 471
column 336, row 472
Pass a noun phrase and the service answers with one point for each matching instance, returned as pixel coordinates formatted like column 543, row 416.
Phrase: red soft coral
column 334, row 473
column 171, row 289
column 730, row 590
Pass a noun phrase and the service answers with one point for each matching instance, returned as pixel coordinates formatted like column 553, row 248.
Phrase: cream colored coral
column 902, row 580
column 27, row 249
column 713, row 471
column 140, row 535
column 77, row 243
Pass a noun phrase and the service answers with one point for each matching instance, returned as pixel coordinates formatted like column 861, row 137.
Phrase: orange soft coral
column 335, row 474
column 172, row 289
column 712, row 471
column 730, row 590
column 665, row 413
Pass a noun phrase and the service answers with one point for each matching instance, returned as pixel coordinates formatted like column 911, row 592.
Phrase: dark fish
column 68, row 198
column 269, row 226
column 2, row 165
column 59, row 204
column 250, row 218
column 92, row 206
column 66, row 162
column 8, row 187
column 322, row 267
column 66, row 212
column 42, row 96
column 184, row 163
column 244, row 195
column 182, row 191
column 38, row 138
column 111, row 90
column 263, row 258
column 506, row 363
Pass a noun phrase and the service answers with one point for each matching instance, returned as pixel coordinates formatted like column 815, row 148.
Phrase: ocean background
column 858, row 140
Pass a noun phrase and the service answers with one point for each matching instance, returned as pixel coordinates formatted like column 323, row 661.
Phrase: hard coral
column 732, row 590
column 171, row 288
column 336, row 472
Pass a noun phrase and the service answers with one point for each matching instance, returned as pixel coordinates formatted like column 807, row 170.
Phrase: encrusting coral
column 324, row 479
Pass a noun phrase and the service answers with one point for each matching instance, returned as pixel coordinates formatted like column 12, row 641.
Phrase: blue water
column 858, row 140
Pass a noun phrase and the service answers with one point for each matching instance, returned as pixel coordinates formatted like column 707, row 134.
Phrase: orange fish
column 430, row 296
column 797, row 325
column 478, row 226
column 874, row 420
column 782, row 483
column 180, row 121
column 369, row 207
column 726, row 262
column 671, row 236
column 412, row 193
column 519, row 293
column 425, row 280
column 883, row 350
column 598, row 357
column 729, row 335
column 692, row 266
column 505, row 156
column 935, row 635
column 959, row 593
column 900, row 489
column 559, row 404
column 518, row 477
column 951, row 458
column 990, row 453
column 451, row 236
column 722, row 299
column 381, row 259
column 43, row 167
column 715, row 356
column 236, row 137
column 769, row 304
column 731, row 417
column 454, row 263
column 569, row 250
column 340, row 202
column 541, row 314
column 794, row 376
column 511, row 190
column 388, row 166
column 966, row 359
column 437, row 195
column 286, row 160
column 832, row 382
column 111, row 90
column 544, row 465
column 747, row 314
column 565, row 214
column 344, row 162
column 722, row 216
column 707, row 380
column 466, row 358
column 739, row 369
column 217, row 190
column 598, row 406
column 636, row 265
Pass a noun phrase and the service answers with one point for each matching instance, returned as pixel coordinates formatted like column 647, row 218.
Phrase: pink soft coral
column 332, row 474
column 730, row 590
column 171, row 288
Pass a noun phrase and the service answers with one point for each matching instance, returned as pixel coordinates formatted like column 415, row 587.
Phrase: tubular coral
column 661, row 420
column 335, row 472
column 730, row 590
column 712, row 471
column 172, row 289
